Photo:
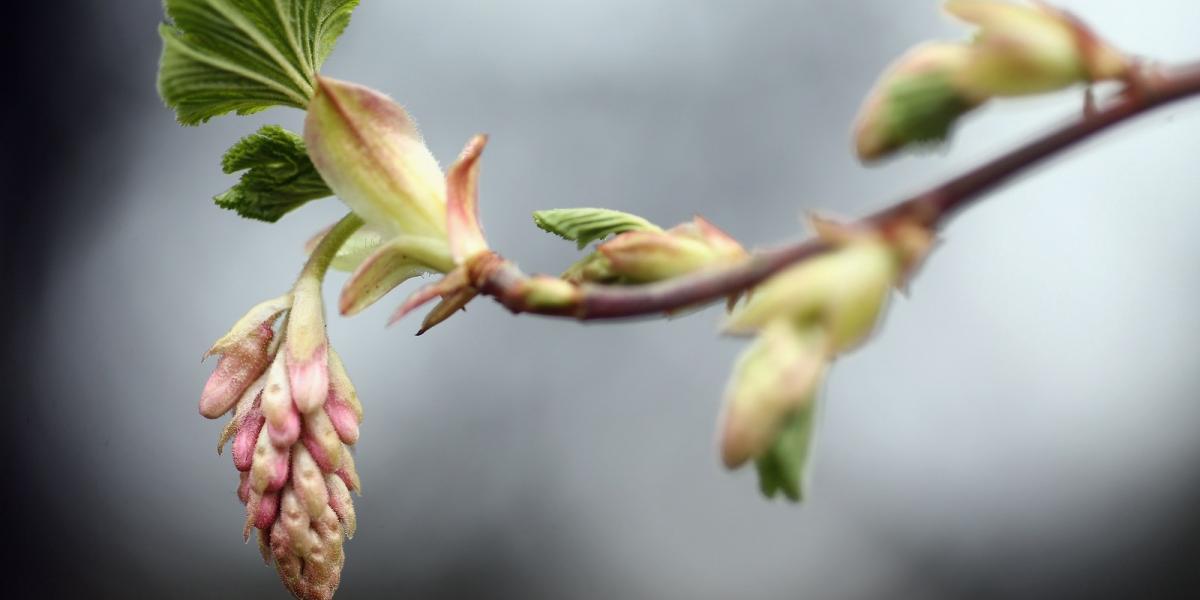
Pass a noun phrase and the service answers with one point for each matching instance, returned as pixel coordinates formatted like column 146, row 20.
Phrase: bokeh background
column 1023, row 426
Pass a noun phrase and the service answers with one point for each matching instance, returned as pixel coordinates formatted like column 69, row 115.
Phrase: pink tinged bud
column 339, row 381
column 774, row 378
column 246, row 440
column 645, row 256
column 267, row 510
column 249, row 400
column 309, row 482
column 269, row 471
column 295, row 521
column 721, row 243
column 243, row 491
column 341, row 503
column 462, row 203
column 306, row 347
column 323, row 566
column 322, row 441
column 264, row 313
column 398, row 260
column 245, row 352
column 344, row 421
column 287, row 563
column 367, row 148
column 283, row 420
column 348, row 473
column 236, row 371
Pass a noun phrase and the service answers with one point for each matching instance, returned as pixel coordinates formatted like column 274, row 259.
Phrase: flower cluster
column 1017, row 50
column 295, row 415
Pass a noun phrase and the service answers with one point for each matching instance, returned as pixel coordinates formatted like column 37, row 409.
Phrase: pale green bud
column 774, row 379
column 369, row 151
column 915, row 101
column 1022, row 49
column 843, row 292
column 646, row 256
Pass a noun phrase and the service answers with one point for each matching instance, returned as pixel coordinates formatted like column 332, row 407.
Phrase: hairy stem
column 322, row 256
column 1151, row 89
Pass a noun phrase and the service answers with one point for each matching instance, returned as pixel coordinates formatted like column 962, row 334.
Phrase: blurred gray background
column 1022, row 426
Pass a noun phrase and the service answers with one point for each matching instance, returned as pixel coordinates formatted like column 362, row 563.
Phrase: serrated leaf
column 278, row 178
column 222, row 56
column 586, row 225
column 782, row 468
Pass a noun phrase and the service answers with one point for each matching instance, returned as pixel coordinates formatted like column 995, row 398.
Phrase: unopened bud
column 269, row 470
column 283, row 420
column 367, row 148
column 307, row 347
column 774, row 378
column 309, row 482
column 245, row 352
column 322, row 441
column 1021, row 49
column 842, row 291
column 916, row 101
column 646, row 256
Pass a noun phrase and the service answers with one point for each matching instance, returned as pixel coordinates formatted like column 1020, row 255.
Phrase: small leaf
column 586, row 225
column 278, row 178
column 783, row 467
column 222, row 56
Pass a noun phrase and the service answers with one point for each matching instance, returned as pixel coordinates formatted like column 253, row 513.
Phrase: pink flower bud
column 283, row 420
column 341, row 503
column 266, row 511
column 307, row 347
column 309, row 482
column 246, row 439
column 348, row 472
column 245, row 352
column 269, row 471
column 322, row 441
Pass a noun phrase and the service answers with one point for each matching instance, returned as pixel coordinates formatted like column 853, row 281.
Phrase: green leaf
column 782, row 468
column 585, row 225
column 278, row 178
column 222, row 56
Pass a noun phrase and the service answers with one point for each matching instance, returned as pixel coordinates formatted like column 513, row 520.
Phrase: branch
column 1151, row 89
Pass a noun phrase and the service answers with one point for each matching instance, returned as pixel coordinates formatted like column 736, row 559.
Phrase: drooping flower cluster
column 295, row 415
column 1017, row 50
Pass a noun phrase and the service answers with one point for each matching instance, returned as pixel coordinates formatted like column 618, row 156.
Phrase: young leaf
column 243, row 56
column 586, row 225
column 278, row 178
column 782, row 468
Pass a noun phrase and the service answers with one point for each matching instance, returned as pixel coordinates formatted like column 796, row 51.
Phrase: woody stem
column 932, row 208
